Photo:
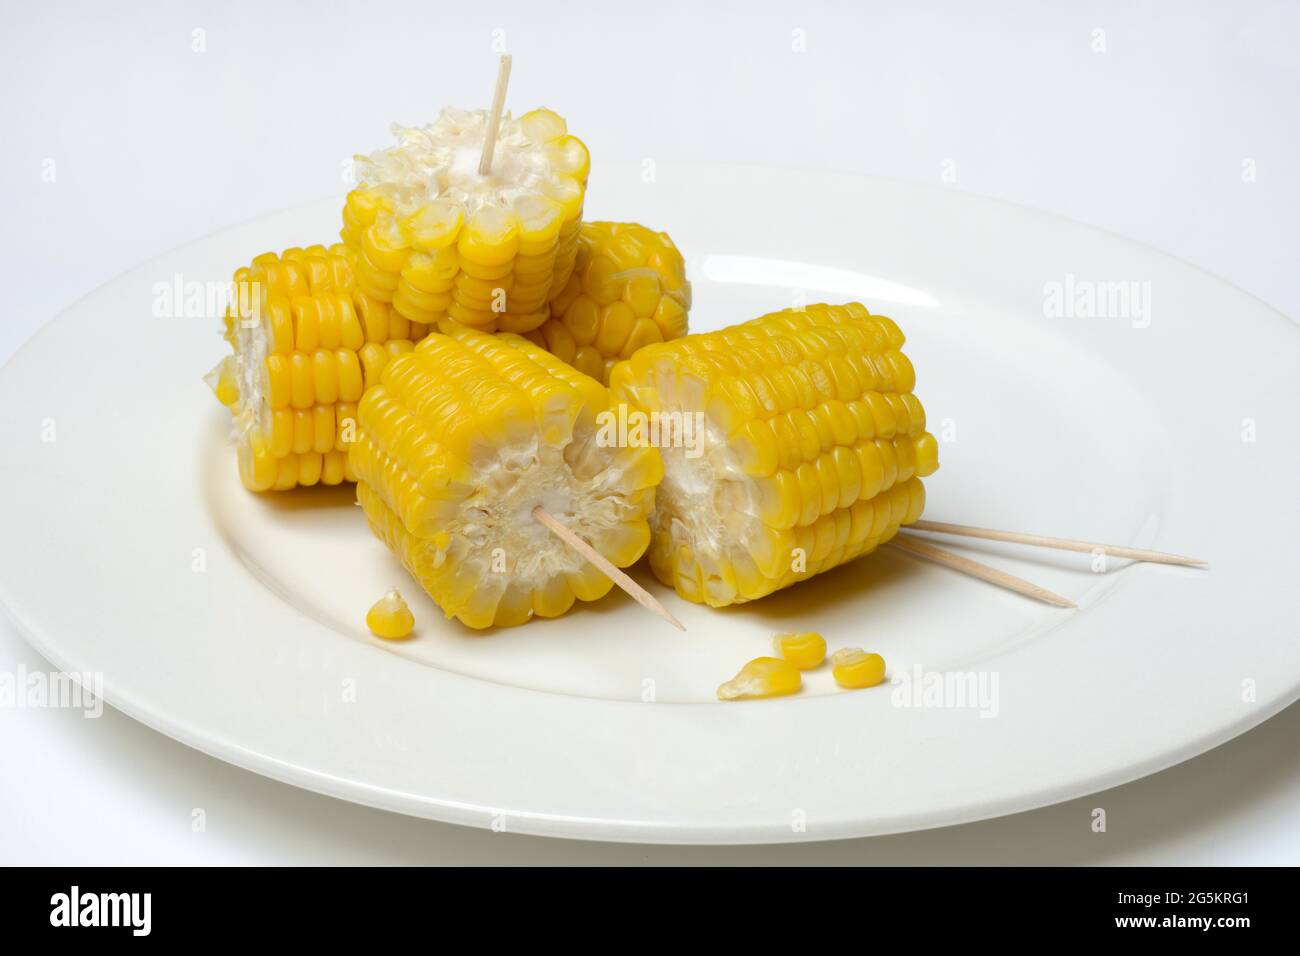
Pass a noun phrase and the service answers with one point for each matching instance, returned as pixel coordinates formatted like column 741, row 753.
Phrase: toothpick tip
column 1063, row 544
column 1051, row 597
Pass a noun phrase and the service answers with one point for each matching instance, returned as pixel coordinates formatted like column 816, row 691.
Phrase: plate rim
column 607, row 831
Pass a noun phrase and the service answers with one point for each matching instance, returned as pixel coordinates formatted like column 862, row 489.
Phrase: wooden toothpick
column 634, row 590
column 976, row 570
column 1062, row 544
column 540, row 514
column 494, row 118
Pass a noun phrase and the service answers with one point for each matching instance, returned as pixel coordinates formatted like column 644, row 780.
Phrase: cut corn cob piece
column 808, row 448
column 442, row 243
column 462, row 439
column 307, row 342
column 628, row 290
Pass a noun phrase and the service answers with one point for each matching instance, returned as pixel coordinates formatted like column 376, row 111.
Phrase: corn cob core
column 628, row 290
column 812, row 454
column 441, row 242
column 307, row 342
column 463, row 437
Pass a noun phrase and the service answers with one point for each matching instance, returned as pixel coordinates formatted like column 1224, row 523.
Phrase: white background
column 150, row 143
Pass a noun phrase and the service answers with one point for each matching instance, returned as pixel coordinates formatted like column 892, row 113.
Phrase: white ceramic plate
column 1135, row 428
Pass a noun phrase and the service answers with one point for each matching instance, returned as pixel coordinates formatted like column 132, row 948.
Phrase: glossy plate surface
column 1081, row 385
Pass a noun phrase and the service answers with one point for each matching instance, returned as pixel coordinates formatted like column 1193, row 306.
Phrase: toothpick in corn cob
column 813, row 451
column 440, row 241
column 457, row 445
column 306, row 342
column 628, row 290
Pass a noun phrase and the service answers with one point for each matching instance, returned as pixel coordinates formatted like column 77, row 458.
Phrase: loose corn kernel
column 762, row 677
column 854, row 668
column 390, row 617
column 804, row 649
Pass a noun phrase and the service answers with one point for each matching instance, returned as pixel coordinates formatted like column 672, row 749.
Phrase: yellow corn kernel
column 300, row 380
column 490, row 237
column 322, row 417
column 333, row 468
column 436, row 225
column 616, row 321
column 222, row 381
column 310, row 465
column 373, row 315
column 803, row 649
column 641, row 293
column 671, row 317
column 373, row 357
column 927, row 455
column 582, row 320
column 644, row 332
column 589, row 362
column 280, row 381
column 325, row 377
column 286, row 474
column 304, row 431
column 557, row 340
column 350, row 380
column 281, row 432
column 540, row 219
column 600, row 280
column 390, row 617
column 853, row 668
column 385, row 247
column 351, row 334
column 257, row 467
column 762, row 677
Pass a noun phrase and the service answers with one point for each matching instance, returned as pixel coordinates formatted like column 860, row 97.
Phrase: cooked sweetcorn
column 390, row 617
column 813, row 450
column 762, row 677
column 306, row 343
column 467, row 434
column 628, row 290
column 440, row 242
column 854, row 669
column 804, row 649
